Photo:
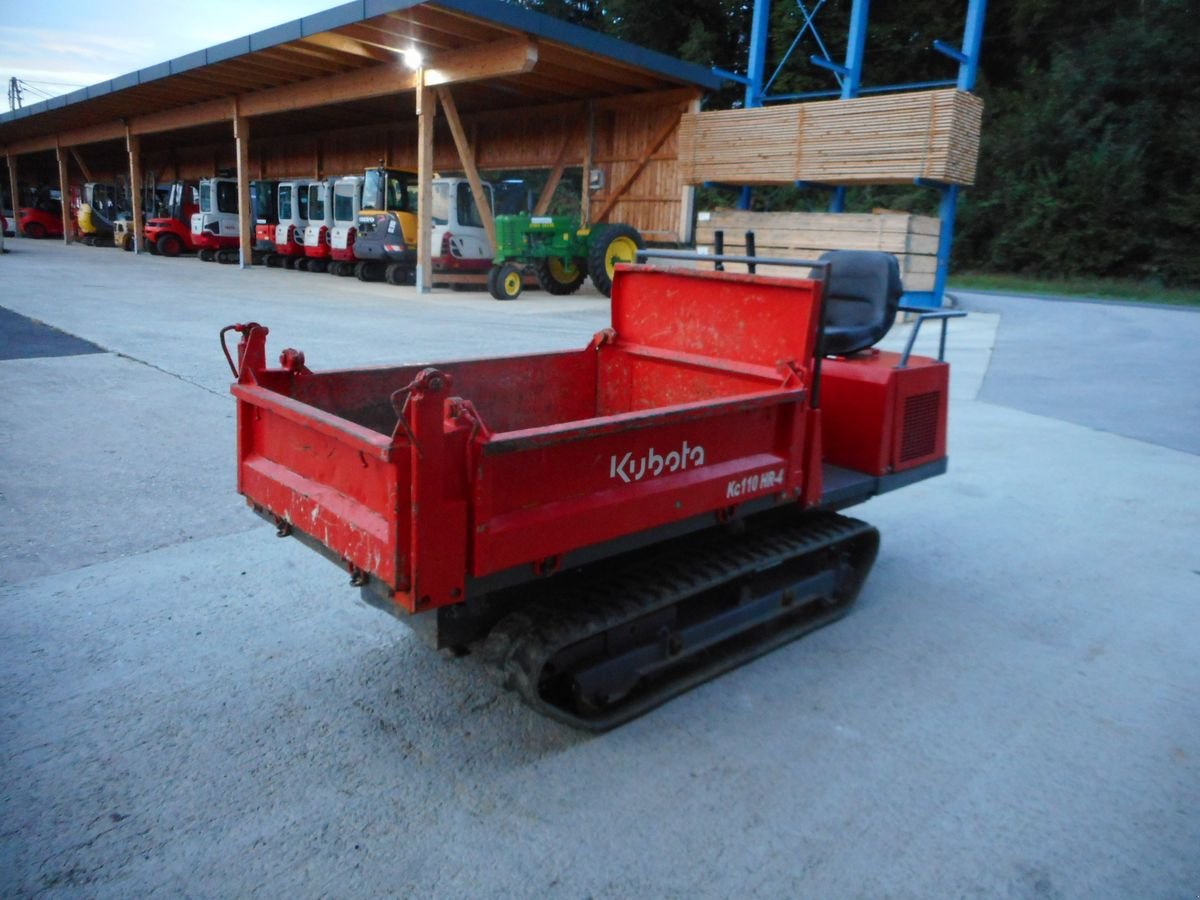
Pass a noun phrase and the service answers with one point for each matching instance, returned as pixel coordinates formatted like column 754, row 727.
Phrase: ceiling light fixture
column 412, row 57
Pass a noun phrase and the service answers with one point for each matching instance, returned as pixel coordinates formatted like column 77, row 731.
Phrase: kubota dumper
column 612, row 525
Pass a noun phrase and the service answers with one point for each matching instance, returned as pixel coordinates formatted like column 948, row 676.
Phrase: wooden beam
column 556, row 172
column 467, row 156
column 241, row 136
column 491, row 60
column 87, row 173
column 495, row 59
column 656, row 99
column 16, row 197
column 133, row 145
column 64, row 188
column 109, row 131
column 589, row 139
column 426, row 110
column 659, row 139
column 189, row 116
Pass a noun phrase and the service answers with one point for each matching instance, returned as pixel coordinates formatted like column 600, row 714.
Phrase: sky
column 61, row 45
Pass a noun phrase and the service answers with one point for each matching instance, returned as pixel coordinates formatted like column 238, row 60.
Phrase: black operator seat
column 861, row 298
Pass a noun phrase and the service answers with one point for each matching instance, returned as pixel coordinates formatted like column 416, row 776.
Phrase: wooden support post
column 241, row 137
column 659, row 139
column 467, row 155
column 543, row 201
column 589, row 139
column 687, row 206
column 133, row 144
column 16, row 197
column 426, row 110
column 87, row 173
column 64, row 189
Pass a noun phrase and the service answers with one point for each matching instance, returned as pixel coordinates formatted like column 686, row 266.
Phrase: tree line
column 1091, row 132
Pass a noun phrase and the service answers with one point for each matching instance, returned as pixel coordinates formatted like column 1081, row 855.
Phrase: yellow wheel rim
column 622, row 249
column 562, row 272
column 512, row 283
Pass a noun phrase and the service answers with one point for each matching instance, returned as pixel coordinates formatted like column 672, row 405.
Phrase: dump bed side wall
column 341, row 489
column 536, row 498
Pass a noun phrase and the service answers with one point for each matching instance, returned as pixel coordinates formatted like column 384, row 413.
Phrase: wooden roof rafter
column 345, row 45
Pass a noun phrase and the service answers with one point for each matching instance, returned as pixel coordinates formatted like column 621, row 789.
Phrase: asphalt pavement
column 193, row 707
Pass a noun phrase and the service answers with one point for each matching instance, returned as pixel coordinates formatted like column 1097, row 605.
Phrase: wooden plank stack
column 887, row 139
column 912, row 239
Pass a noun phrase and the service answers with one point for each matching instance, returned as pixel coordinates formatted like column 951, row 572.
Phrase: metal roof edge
column 502, row 13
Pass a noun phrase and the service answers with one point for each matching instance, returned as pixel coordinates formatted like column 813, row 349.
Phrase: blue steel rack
column 849, row 77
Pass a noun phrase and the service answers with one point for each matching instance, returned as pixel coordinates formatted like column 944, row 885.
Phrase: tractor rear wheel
column 504, row 282
column 611, row 244
column 317, row 265
column 397, row 273
column 169, row 245
column 207, row 255
column 561, row 276
column 302, row 264
column 288, row 262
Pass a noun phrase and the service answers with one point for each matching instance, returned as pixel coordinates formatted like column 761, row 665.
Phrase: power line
column 54, row 83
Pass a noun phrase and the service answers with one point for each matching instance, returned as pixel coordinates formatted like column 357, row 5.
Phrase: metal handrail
column 821, row 264
column 923, row 315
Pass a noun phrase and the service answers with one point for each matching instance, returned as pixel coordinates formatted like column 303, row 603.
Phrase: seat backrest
column 861, row 299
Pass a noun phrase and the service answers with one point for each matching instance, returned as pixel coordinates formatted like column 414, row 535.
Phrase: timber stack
column 888, row 139
column 913, row 240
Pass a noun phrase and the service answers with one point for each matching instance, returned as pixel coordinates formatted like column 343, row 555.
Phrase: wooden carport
column 443, row 84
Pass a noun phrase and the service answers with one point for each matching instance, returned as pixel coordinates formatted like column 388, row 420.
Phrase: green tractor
column 559, row 253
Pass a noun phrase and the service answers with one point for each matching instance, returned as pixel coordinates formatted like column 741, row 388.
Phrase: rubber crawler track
column 521, row 644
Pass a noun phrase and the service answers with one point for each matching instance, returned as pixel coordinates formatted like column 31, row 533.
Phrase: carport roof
column 571, row 63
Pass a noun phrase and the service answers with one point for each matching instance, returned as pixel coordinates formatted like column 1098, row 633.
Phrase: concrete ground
column 193, row 707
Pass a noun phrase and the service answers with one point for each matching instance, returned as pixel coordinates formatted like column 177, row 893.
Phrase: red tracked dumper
column 613, row 525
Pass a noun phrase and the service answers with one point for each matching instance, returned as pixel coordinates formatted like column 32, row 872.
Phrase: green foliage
column 1089, row 155
column 1091, row 128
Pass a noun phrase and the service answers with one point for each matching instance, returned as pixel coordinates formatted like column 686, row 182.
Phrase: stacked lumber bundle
column 888, row 139
column 911, row 239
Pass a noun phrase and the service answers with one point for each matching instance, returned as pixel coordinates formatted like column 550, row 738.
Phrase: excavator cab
column 346, row 200
column 215, row 223
column 386, row 230
column 264, row 200
column 320, row 223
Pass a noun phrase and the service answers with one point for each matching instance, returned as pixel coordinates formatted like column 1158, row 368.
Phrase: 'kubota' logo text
column 653, row 463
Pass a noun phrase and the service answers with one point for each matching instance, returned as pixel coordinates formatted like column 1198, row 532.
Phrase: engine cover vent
column 920, row 433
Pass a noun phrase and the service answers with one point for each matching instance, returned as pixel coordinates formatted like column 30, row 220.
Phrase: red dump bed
column 431, row 480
